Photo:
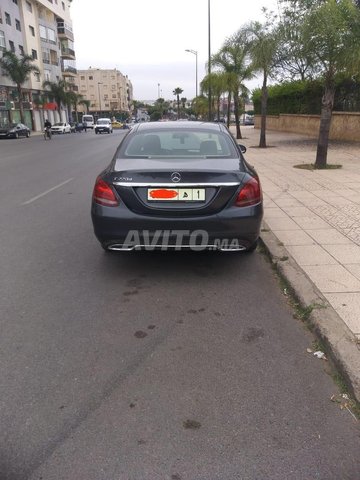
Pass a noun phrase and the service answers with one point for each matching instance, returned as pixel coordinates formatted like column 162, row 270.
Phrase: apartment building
column 109, row 91
column 42, row 29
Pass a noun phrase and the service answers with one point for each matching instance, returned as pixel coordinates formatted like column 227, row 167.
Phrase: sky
column 146, row 39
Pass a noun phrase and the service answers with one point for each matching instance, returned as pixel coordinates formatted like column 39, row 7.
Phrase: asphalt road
column 146, row 366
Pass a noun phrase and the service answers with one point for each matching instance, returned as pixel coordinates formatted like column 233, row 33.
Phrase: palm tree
column 264, row 42
column 18, row 70
column 72, row 99
column 178, row 91
column 332, row 32
column 86, row 103
column 233, row 60
column 58, row 92
column 200, row 105
column 219, row 85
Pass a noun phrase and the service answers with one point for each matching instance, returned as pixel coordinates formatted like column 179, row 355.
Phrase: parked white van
column 88, row 121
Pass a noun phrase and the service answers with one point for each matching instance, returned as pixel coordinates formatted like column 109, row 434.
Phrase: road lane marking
column 47, row 191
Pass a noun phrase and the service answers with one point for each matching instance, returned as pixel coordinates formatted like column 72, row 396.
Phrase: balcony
column 67, row 53
column 69, row 72
column 64, row 31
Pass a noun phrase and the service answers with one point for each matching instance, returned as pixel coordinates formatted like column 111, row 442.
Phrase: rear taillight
column 104, row 194
column 250, row 194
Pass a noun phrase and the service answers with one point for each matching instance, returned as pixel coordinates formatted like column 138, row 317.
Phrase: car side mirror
column 242, row 148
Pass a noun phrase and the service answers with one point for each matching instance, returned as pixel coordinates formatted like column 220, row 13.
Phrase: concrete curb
column 328, row 326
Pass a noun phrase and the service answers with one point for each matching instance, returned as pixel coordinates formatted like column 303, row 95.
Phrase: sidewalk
column 312, row 231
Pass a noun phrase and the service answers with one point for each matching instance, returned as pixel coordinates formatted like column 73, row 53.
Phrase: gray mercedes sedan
column 178, row 185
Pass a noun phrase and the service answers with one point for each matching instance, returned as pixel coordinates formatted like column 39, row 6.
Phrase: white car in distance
column 61, row 127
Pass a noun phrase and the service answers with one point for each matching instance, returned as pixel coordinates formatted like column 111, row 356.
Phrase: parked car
column 178, row 185
column 14, row 130
column 61, row 127
column 103, row 125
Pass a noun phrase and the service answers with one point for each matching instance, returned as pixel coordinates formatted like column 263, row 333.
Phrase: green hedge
column 304, row 97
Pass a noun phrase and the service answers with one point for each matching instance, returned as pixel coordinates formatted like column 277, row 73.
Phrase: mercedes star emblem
column 175, row 177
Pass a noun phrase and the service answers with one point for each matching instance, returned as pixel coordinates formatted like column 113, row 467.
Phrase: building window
column 37, row 76
column 21, row 49
column 34, row 54
column 18, row 25
column 32, row 30
column 15, row 1
column 46, row 57
column 12, row 46
column 82, row 77
column 90, row 77
column 113, row 95
column 42, row 31
column 29, row 6
column 54, row 57
column 7, row 18
column 47, row 74
column 2, row 40
column 63, row 5
column 51, row 35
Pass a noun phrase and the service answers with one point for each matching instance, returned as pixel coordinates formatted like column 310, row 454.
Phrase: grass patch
column 311, row 166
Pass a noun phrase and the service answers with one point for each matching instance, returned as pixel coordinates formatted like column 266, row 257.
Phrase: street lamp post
column 209, row 62
column 99, row 83
column 194, row 52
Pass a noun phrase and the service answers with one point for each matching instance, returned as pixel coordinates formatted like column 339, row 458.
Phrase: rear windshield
column 178, row 144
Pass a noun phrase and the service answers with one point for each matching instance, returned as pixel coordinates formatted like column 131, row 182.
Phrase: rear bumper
column 232, row 229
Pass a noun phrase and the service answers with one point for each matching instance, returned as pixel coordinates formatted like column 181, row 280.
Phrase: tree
column 295, row 59
column 200, row 106
column 18, row 70
column 86, row 103
column 233, row 60
column 219, row 85
column 178, row 91
column 264, row 42
column 332, row 32
column 72, row 99
column 57, row 91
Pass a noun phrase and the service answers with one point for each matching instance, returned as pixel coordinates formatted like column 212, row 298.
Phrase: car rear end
column 184, row 200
